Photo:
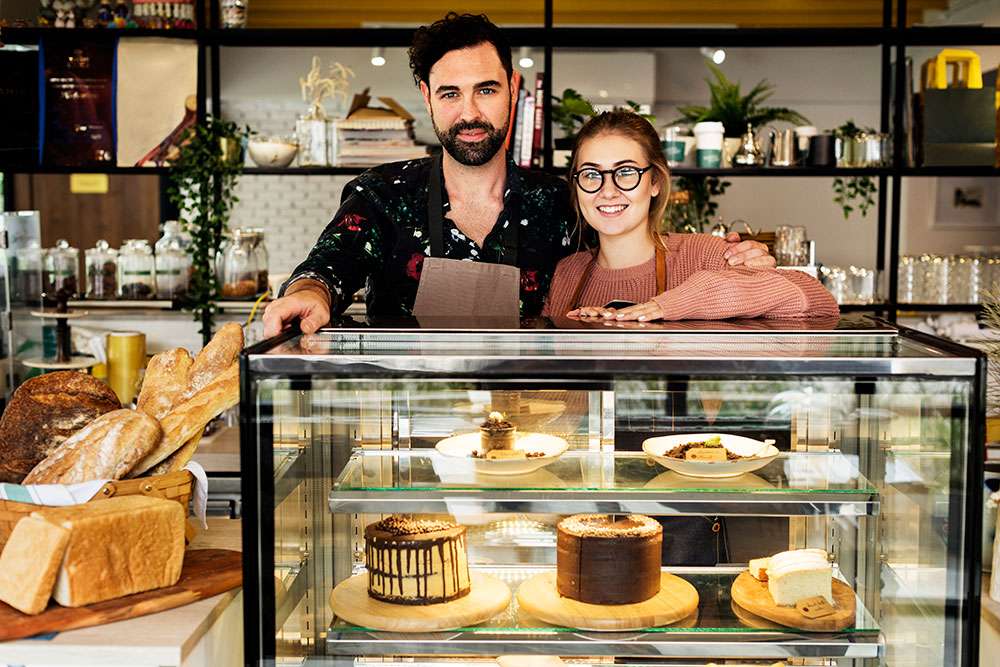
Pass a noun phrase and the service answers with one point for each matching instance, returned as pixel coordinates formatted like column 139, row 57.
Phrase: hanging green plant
column 856, row 192
column 203, row 188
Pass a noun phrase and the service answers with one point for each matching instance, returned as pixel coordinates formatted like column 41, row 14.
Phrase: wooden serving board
column 754, row 596
column 350, row 601
column 676, row 600
column 206, row 572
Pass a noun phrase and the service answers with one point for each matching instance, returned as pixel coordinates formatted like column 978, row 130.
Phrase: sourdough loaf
column 117, row 547
column 43, row 413
column 107, row 448
column 30, row 562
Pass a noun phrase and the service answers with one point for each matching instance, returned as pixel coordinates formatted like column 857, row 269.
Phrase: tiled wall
column 292, row 210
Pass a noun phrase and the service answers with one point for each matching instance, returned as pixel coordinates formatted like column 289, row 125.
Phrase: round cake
column 608, row 558
column 497, row 433
column 416, row 561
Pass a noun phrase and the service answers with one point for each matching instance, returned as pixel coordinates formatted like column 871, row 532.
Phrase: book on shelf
column 536, row 143
column 527, row 137
column 515, row 148
column 516, row 81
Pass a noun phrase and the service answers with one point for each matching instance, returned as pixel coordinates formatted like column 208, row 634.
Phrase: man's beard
column 471, row 154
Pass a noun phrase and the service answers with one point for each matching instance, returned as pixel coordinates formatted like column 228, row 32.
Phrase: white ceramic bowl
column 462, row 446
column 760, row 453
column 271, row 153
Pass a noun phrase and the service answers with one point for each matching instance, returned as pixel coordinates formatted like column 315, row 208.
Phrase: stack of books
column 524, row 140
column 370, row 136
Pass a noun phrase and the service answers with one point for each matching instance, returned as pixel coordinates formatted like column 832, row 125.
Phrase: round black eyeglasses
column 625, row 178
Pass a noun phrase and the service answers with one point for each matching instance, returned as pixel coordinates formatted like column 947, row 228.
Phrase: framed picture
column 966, row 203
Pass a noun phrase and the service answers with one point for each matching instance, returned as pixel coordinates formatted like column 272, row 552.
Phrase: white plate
column 462, row 446
column 765, row 453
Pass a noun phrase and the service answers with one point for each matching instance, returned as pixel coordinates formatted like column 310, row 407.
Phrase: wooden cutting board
column 206, row 572
column 754, row 596
column 676, row 600
column 487, row 598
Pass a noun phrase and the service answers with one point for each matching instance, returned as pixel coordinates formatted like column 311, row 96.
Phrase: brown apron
column 661, row 276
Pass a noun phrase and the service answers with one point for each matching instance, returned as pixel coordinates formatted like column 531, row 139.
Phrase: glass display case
column 879, row 433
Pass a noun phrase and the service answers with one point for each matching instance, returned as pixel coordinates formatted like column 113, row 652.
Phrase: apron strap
column 435, row 216
column 661, row 276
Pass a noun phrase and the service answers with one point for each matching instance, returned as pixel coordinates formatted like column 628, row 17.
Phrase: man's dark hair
column 455, row 31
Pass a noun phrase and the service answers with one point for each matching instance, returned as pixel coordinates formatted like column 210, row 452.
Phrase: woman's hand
column 643, row 312
column 752, row 254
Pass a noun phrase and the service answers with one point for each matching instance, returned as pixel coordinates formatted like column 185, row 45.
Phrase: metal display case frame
column 865, row 350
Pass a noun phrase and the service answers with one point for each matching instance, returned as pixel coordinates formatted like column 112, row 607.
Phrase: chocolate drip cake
column 416, row 561
column 608, row 559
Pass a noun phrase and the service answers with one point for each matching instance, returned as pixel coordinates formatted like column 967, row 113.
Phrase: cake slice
column 30, row 562
column 799, row 574
column 758, row 568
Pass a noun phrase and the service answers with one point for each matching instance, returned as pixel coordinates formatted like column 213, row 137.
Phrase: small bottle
column 173, row 263
column 234, row 13
column 260, row 249
column 136, row 270
column 102, row 271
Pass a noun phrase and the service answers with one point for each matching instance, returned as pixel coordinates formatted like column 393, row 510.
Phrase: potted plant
column 570, row 111
column 202, row 186
column 729, row 106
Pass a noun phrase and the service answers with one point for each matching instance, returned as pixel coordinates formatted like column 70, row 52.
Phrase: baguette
column 178, row 459
column 107, row 448
column 215, row 358
column 165, row 383
column 191, row 416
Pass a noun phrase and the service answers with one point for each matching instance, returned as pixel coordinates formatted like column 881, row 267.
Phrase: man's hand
column 305, row 300
column 752, row 254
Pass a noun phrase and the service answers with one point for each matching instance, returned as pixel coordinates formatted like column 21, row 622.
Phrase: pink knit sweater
column 700, row 285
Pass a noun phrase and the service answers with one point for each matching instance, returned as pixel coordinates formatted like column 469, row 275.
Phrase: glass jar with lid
column 136, row 270
column 173, row 263
column 102, row 271
column 62, row 270
column 29, row 282
column 260, row 249
column 239, row 267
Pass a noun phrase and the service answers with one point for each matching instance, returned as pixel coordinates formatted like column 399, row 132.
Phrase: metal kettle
column 749, row 153
column 783, row 147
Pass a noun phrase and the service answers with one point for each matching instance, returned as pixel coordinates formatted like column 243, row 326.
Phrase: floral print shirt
column 379, row 237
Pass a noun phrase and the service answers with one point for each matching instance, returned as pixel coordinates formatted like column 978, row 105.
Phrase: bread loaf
column 106, row 449
column 216, row 358
column 178, row 459
column 30, row 562
column 190, row 417
column 117, row 547
column 43, row 413
column 165, row 382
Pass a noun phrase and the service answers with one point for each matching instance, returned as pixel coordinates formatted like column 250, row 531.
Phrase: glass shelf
column 714, row 631
column 423, row 481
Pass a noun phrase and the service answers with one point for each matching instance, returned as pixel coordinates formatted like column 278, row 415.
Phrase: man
column 394, row 216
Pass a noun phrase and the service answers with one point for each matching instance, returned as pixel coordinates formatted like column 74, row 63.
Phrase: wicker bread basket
column 172, row 486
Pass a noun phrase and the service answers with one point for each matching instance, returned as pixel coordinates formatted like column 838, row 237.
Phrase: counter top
column 173, row 637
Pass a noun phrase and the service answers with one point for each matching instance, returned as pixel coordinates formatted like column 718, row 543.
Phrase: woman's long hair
column 635, row 127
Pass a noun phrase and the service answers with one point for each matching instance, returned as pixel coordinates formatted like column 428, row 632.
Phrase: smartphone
column 618, row 304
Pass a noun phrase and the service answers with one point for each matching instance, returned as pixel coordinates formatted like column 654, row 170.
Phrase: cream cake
column 416, row 561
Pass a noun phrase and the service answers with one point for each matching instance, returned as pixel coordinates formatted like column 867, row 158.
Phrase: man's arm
column 347, row 252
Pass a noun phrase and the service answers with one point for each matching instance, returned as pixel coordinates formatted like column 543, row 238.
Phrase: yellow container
column 126, row 361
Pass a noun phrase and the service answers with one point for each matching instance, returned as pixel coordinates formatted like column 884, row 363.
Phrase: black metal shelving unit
column 893, row 36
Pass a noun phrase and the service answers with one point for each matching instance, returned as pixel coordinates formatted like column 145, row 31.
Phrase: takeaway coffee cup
column 708, row 138
column 822, row 151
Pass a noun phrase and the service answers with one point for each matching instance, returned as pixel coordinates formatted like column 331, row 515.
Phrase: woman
column 619, row 187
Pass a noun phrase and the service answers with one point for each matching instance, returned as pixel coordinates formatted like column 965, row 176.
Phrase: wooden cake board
column 350, row 601
column 676, row 600
column 206, row 572
column 754, row 596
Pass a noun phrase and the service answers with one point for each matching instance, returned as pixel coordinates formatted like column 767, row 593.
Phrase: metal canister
column 126, row 361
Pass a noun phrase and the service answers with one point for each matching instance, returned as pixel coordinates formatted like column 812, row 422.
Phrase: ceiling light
column 378, row 57
column 526, row 61
column 717, row 56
